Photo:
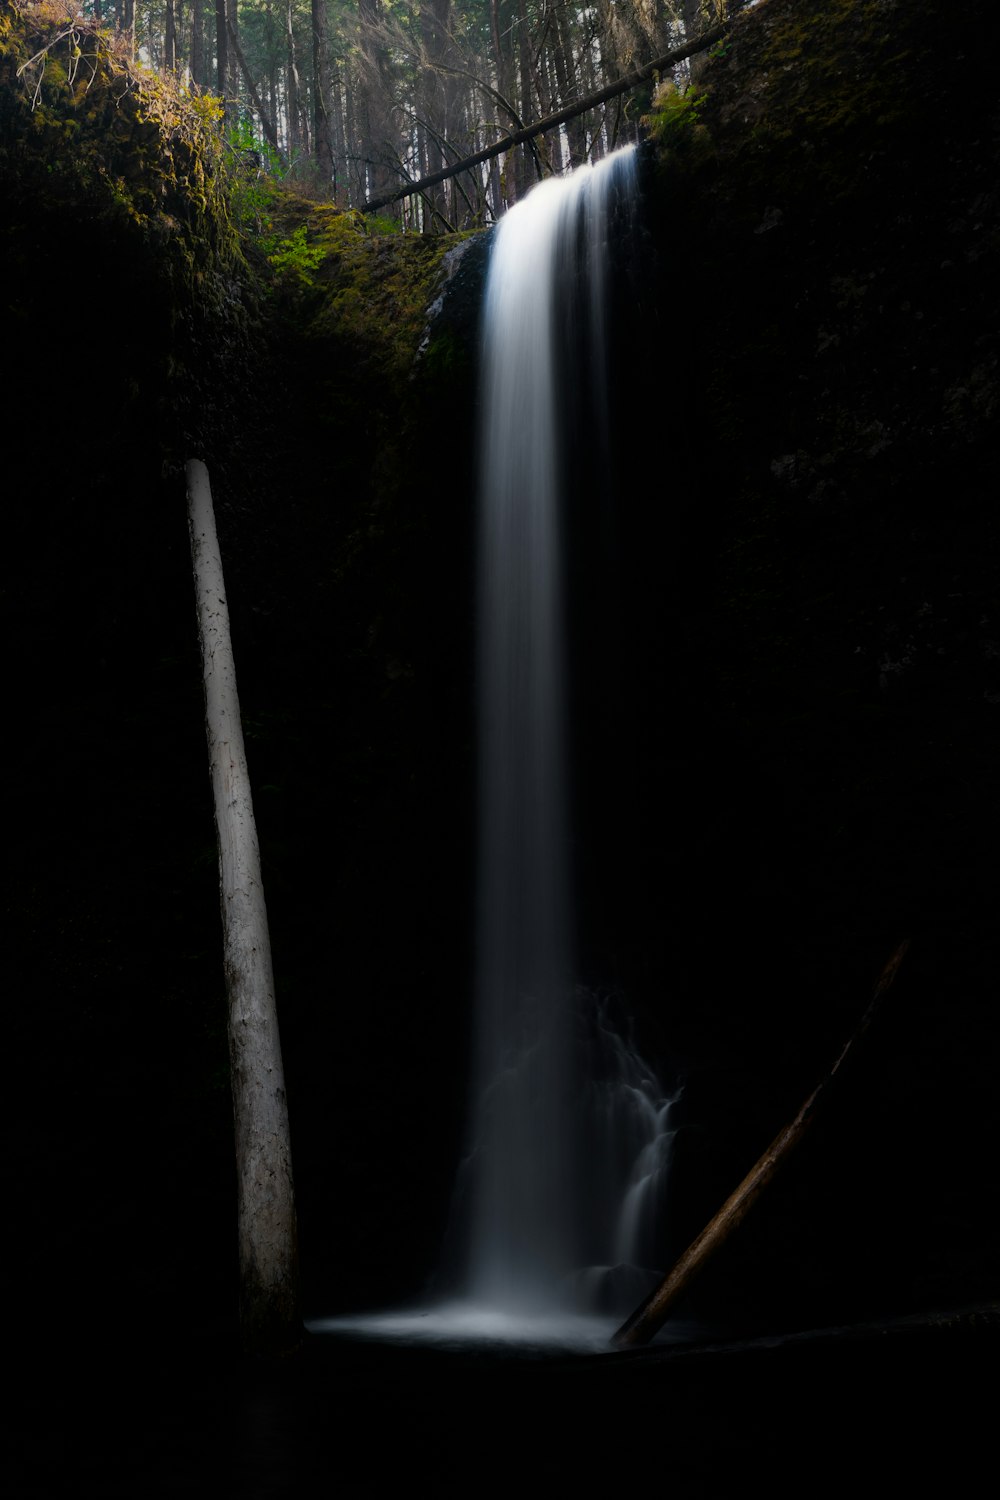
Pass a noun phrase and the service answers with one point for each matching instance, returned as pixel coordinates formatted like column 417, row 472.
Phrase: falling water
column 558, row 1223
column 563, row 1187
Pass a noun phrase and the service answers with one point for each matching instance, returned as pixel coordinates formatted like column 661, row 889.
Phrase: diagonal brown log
column 551, row 122
column 651, row 1314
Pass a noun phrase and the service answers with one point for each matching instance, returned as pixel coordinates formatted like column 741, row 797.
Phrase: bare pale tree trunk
column 496, row 189
column 268, row 1253
column 354, row 178
column 338, row 118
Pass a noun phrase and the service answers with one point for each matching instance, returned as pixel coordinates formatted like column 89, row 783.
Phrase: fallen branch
column 651, row 1314
column 551, row 122
column 74, row 55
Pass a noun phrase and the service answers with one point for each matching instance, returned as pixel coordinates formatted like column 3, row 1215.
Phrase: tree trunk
column 338, row 120
column 127, row 24
column 354, row 176
column 170, row 36
column 500, row 34
column 267, row 124
column 294, row 88
column 221, row 50
column 269, row 1305
column 650, row 1316
column 378, row 142
column 565, row 66
column 198, row 75
column 437, row 90
column 524, row 160
column 322, row 146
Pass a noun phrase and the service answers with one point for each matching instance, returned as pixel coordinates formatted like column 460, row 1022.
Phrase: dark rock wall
column 795, row 767
column 828, row 218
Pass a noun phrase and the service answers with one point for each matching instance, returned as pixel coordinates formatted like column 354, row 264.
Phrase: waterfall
column 557, row 1224
column 562, row 1189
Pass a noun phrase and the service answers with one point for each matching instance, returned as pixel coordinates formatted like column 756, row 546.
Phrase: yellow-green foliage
column 673, row 122
column 294, row 259
column 368, row 292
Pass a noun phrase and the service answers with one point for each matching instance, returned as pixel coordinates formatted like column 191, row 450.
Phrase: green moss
column 120, row 180
column 445, row 356
column 84, row 125
column 366, row 295
column 673, row 123
column 800, row 90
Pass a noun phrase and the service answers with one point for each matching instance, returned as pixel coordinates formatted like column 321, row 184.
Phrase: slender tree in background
column 196, row 53
column 322, row 145
column 170, row 36
column 378, row 145
column 293, row 87
column 266, row 123
column 221, row 47
column 125, row 20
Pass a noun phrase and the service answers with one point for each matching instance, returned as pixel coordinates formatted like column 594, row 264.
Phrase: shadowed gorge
column 782, row 703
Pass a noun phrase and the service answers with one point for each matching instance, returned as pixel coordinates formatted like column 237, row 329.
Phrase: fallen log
column 621, row 85
column 652, row 1313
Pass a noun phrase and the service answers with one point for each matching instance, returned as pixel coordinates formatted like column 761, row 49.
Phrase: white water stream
column 562, row 1193
column 559, row 1208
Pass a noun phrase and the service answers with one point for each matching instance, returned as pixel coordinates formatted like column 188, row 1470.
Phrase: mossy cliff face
column 116, row 200
column 100, row 132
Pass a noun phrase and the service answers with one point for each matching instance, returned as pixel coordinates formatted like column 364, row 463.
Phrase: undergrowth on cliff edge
column 193, row 223
column 82, row 123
